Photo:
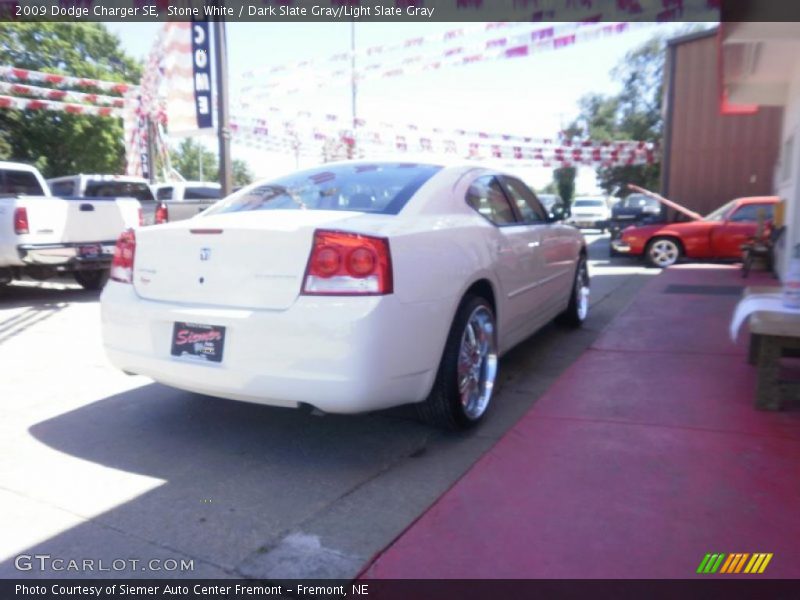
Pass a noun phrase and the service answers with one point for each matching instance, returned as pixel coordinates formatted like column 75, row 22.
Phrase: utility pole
column 151, row 150
column 223, row 115
column 353, row 85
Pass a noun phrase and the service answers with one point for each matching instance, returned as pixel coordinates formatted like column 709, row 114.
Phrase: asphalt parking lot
column 95, row 464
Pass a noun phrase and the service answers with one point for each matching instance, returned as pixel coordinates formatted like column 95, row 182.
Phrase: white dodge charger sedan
column 350, row 287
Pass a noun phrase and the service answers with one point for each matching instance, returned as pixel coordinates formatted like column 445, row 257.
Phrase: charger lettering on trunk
column 187, row 337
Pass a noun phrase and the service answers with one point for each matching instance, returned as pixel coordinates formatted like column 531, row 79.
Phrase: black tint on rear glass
column 119, row 189
column 382, row 188
column 202, row 193
column 19, row 183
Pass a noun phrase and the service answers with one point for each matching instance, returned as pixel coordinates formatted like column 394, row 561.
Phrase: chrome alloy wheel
column 477, row 363
column 664, row 253
column 582, row 291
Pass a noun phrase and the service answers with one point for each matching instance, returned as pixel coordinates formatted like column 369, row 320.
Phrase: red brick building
column 712, row 152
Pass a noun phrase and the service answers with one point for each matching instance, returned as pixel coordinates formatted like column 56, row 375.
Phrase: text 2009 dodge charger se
column 350, row 287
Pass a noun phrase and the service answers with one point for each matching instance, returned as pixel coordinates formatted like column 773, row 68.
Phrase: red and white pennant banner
column 556, row 37
column 21, row 89
column 326, row 125
column 410, row 44
column 51, row 105
column 16, row 74
column 584, row 152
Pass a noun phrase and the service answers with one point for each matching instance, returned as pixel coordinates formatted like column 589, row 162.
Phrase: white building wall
column 787, row 173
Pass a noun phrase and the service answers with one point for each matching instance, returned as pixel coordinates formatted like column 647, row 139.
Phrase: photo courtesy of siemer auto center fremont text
column 393, row 299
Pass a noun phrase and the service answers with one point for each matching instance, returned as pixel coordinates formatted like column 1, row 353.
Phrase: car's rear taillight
column 21, row 220
column 162, row 214
column 348, row 264
column 122, row 263
column 141, row 217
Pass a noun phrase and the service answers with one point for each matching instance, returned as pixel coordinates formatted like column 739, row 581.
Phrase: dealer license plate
column 202, row 342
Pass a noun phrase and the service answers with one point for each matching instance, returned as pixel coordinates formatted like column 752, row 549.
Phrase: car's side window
column 164, row 193
column 486, row 196
column 527, row 203
column 749, row 213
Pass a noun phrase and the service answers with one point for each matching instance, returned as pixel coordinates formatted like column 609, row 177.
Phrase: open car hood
column 674, row 205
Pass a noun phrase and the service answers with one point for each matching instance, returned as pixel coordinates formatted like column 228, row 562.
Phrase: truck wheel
column 465, row 380
column 91, row 280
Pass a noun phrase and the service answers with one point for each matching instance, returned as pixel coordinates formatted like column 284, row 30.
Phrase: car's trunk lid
column 246, row 260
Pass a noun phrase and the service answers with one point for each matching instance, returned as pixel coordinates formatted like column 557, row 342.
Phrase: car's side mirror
column 557, row 213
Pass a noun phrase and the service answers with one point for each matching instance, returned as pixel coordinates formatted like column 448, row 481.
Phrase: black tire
column 91, row 280
column 654, row 243
column 443, row 407
column 575, row 314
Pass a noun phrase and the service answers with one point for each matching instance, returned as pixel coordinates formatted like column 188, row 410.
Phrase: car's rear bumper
column 339, row 354
column 90, row 255
column 587, row 221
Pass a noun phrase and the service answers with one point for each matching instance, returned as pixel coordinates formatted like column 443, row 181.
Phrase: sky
column 533, row 96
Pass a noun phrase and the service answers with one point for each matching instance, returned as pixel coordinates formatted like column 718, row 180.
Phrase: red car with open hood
column 718, row 235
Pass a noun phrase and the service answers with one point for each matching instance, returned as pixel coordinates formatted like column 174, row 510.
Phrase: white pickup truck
column 184, row 199
column 108, row 186
column 42, row 235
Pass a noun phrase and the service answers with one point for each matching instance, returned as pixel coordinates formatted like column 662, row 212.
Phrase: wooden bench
column 773, row 335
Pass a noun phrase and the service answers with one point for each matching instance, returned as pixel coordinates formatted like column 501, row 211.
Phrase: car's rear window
column 118, row 189
column 19, row 183
column 639, row 201
column 588, row 203
column 374, row 188
column 202, row 193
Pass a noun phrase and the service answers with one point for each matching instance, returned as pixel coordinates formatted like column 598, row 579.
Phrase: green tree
column 242, row 175
column 632, row 114
column 195, row 162
column 564, row 179
column 60, row 143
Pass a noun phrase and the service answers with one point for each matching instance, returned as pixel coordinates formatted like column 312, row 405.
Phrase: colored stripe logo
column 741, row 562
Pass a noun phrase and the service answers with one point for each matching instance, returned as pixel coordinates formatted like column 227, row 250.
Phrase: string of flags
column 376, row 61
column 303, row 121
column 466, row 52
column 558, row 153
column 16, row 74
column 17, row 103
column 168, row 91
column 19, row 89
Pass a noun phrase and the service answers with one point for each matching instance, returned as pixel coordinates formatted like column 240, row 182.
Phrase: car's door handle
column 87, row 207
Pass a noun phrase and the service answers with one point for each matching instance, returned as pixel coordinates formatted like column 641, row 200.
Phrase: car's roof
column 17, row 166
column 185, row 183
column 102, row 177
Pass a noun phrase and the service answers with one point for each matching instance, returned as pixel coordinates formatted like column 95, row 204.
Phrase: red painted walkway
column 644, row 456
